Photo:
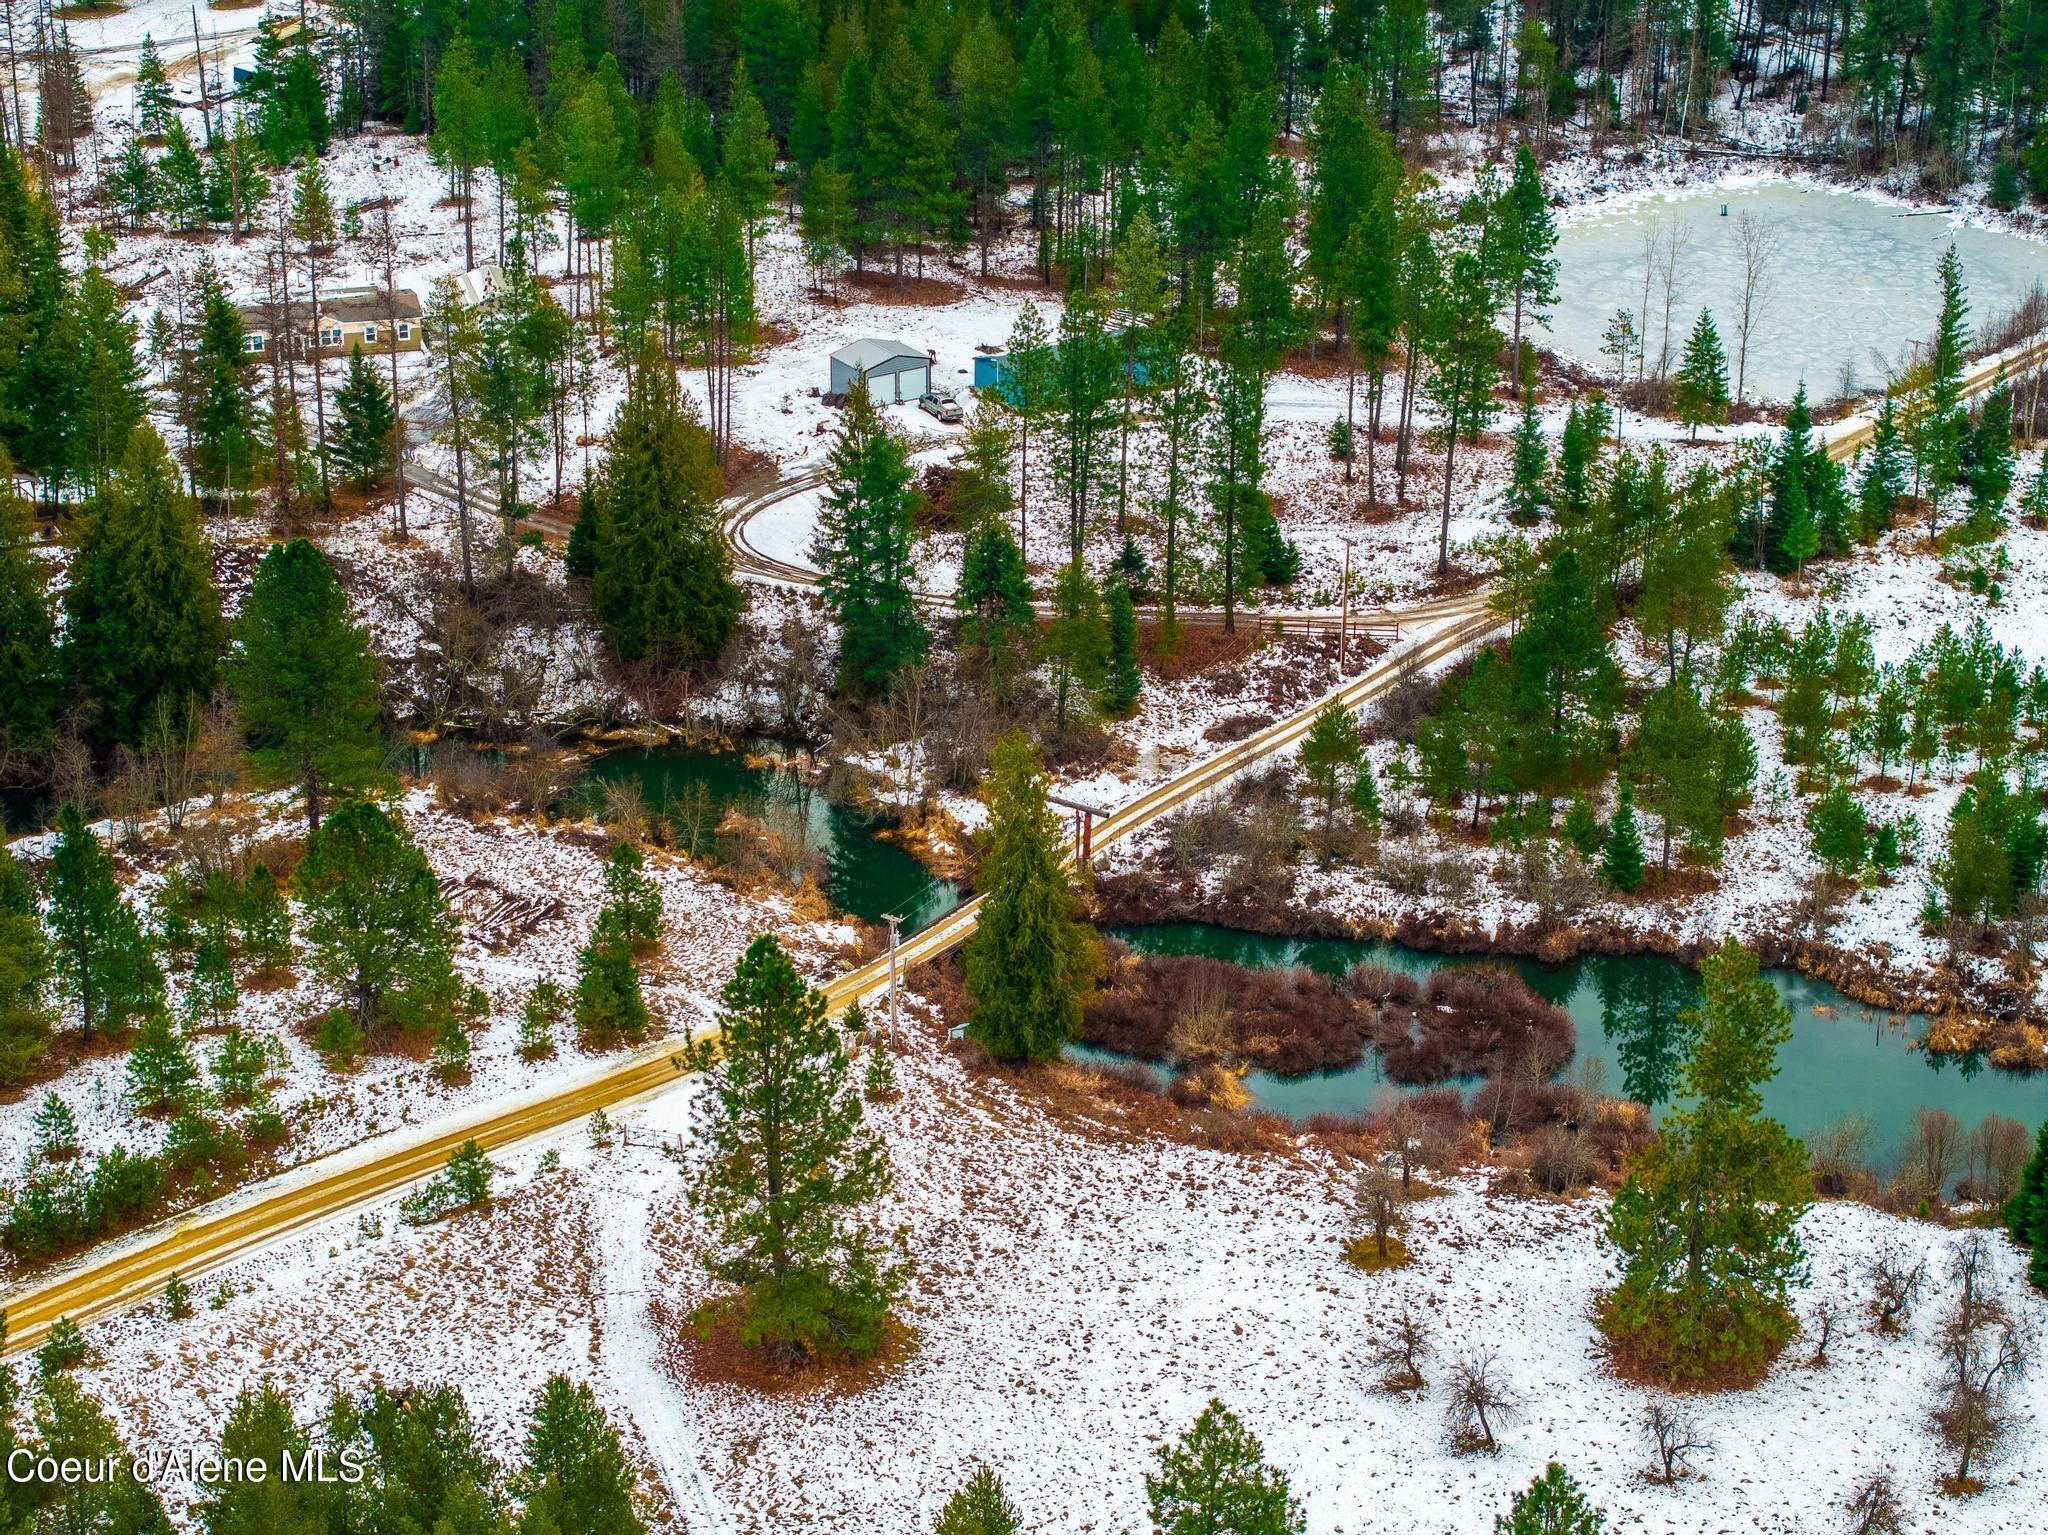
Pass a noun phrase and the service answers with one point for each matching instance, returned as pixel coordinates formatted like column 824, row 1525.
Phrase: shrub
column 63, row 1347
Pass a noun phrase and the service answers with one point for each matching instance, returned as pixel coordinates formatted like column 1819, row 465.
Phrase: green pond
column 1843, row 1058
column 865, row 876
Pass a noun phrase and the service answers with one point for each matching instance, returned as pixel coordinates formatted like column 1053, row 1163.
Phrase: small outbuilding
column 894, row 370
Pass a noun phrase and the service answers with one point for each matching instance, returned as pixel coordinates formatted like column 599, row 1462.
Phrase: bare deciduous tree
column 1998, row 1151
column 1673, row 1434
column 1827, row 1320
column 1986, row 1349
column 1404, row 1128
column 1673, row 244
column 1479, row 1398
column 1403, row 1352
column 1896, row 1277
column 1379, row 1197
column 1841, row 1155
column 1933, row 1151
column 1758, row 242
column 1874, row 1507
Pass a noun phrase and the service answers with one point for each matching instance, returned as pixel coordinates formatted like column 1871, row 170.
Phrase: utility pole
column 1344, row 632
column 894, row 922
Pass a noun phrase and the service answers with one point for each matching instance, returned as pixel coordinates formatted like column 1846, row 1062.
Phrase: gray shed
column 894, row 371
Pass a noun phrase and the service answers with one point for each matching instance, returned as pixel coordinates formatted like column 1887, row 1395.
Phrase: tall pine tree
column 305, row 676
column 142, row 616
column 1707, row 1225
column 791, row 1167
column 1032, row 961
column 662, row 585
column 864, row 543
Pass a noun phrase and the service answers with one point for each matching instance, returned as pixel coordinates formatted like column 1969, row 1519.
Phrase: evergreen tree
column 304, row 675
column 56, row 1129
column 1701, row 390
column 68, row 1425
column 574, row 1474
column 609, row 1003
column 864, row 542
column 980, row 1507
column 579, row 555
column 225, row 440
column 260, row 1432
column 111, row 401
column 161, row 1071
column 103, row 962
column 1552, row 1505
column 1988, row 462
column 210, row 991
column 631, row 897
column 155, row 105
column 661, row 586
column 460, row 138
column 142, row 629
column 1884, row 475
column 1365, row 796
column 1464, row 350
column 1621, row 862
column 1800, row 541
column 1122, row 681
column 1075, row 643
column 747, row 154
column 1528, row 469
column 1032, row 961
column 1707, row 1223
column 1945, row 421
column 1839, row 833
column 1330, row 756
column 263, row 920
column 1215, row 1481
column 993, row 596
column 2026, row 1212
column 376, row 925
column 239, row 1066
column 425, row 1469
column 25, row 1022
column 908, row 151
column 30, row 703
column 1523, row 237
column 365, row 421
column 791, row 1164
column 538, row 1016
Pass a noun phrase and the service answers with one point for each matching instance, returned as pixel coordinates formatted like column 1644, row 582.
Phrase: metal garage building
column 894, row 371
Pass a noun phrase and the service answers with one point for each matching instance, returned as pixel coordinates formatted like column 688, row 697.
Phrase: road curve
column 132, row 1271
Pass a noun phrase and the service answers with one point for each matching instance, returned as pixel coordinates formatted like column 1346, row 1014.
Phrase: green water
column 864, row 876
column 1843, row 1058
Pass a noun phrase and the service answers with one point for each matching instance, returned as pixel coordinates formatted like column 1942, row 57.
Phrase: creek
column 1843, row 1058
column 865, row 876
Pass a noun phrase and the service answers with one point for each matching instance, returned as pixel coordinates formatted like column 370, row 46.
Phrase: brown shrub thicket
column 1471, row 1020
column 1191, row 1009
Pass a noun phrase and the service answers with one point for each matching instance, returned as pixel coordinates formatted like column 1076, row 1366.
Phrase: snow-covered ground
column 705, row 926
column 1083, row 1289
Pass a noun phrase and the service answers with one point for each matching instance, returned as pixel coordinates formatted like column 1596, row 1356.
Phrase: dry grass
column 1363, row 1254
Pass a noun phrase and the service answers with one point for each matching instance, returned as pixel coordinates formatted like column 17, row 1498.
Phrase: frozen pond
column 1850, row 286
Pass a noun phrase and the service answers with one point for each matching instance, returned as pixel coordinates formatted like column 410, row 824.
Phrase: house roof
column 870, row 353
column 345, row 306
